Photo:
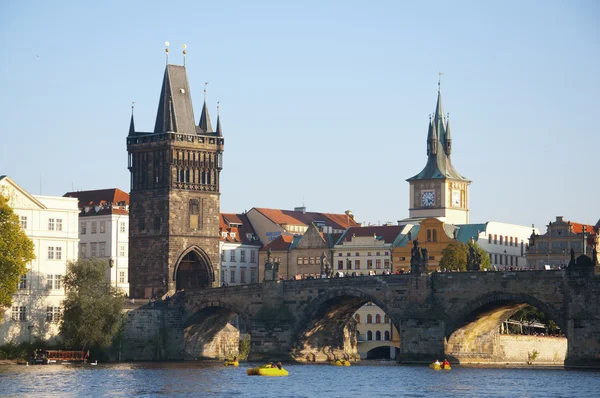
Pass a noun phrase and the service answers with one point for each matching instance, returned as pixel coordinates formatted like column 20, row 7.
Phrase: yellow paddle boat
column 234, row 362
column 440, row 366
column 267, row 370
column 340, row 362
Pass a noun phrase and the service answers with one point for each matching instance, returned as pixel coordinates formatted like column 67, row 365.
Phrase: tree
column 454, row 257
column 16, row 250
column 93, row 309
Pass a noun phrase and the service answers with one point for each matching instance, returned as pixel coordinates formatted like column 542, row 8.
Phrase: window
column 19, row 313
column 194, row 210
column 495, row 259
column 369, row 264
column 378, row 318
column 252, row 256
column 157, row 224
column 58, row 253
column 94, row 226
column 305, row 261
column 386, row 253
column 232, row 255
column 495, row 239
column 369, row 253
column 53, row 282
column 102, row 248
column 369, row 335
column 378, row 264
column 386, row 264
column 252, row 275
column 83, row 228
column 511, row 241
column 506, row 241
column 356, row 264
column 233, row 235
column 52, row 314
column 357, row 318
column 340, row 264
column 378, row 254
column 24, row 222
column 93, row 248
column 121, row 276
column 232, row 275
column 59, row 224
column 490, row 239
column 224, row 234
column 340, row 254
column 82, row 250
column 222, row 255
column 50, row 252
column 51, row 224
column 122, row 228
column 299, row 261
column 500, row 239
column 378, row 335
column 356, row 254
column 243, row 275
column 386, row 319
column 23, row 282
column 242, row 256
column 501, row 259
column 435, row 235
column 428, row 235
column 511, row 260
column 121, row 250
column 387, row 335
column 369, row 318
column 311, row 260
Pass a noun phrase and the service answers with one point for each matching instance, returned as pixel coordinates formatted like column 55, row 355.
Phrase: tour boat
column 267, row 370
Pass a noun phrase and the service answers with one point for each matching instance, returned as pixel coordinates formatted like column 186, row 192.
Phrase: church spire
column 204, row 123
column 131, row 124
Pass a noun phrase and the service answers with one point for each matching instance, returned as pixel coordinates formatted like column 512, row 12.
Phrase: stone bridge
column 456, row 315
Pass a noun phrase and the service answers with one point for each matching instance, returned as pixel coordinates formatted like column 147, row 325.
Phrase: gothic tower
column 174, row 200
column 439, row 190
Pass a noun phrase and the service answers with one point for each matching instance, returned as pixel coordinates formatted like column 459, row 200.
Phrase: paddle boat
column 232, row 362
column 440, row 366
column 267, row 370
column 340, row 362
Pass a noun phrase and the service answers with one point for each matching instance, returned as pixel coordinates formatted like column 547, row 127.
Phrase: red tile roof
column 291, row 217
column 578, row 228
column 99, row 196
column 238, row 224
column 282, row 243
column 389, row 233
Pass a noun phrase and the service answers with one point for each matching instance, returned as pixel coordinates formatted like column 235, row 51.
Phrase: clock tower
column 439, row 190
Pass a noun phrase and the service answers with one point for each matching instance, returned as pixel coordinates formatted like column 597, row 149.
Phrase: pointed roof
column 175, row 112
column 219, row 128
column 204, row 123
column 439, row 165
column 131, row 126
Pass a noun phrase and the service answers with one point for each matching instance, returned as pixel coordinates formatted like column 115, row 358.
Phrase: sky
column 323, row 103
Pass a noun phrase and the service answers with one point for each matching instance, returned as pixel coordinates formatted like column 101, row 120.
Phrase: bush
column 244, row 347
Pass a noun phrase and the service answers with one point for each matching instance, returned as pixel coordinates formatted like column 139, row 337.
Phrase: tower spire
column 448, row 146
column 204, row 123
column 131, row 124
column 219, row 129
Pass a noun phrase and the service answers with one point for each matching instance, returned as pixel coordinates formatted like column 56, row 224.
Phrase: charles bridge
column 456, row 315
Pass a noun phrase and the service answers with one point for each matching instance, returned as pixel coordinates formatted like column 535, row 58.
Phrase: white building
column 51, row 223
column 104, row 231
column 239, row 247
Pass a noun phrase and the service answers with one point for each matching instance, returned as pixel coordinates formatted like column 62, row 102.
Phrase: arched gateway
column 193, row 271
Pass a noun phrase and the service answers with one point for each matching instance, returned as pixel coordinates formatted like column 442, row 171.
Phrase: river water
column 365, row 380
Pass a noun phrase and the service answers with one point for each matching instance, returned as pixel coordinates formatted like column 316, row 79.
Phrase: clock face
column 456, row 198
column 427, row 198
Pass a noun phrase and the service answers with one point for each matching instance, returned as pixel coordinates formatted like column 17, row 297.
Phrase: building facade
column 239, row 250
column 439, row 190
column 377, row 337
column 553, row 248
column 104, row 231
column 175, row 195
column 51, row 223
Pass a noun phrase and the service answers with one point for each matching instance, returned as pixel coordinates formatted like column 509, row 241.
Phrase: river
column 195, row 379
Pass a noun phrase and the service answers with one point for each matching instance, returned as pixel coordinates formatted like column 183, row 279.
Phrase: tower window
column 435, row 235
column 194, row 210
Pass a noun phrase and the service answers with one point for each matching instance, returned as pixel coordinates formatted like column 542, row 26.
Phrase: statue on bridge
column 473, row 259
column 418, row 259
column 326, row 266
column 271, row 268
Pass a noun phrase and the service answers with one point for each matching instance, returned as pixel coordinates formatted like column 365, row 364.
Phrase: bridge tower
column 175, row 195
column 439, row 190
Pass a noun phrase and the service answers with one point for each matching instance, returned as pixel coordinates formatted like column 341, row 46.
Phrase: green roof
column 466, row 232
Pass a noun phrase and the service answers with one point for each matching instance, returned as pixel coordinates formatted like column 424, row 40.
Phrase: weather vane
column 184, row 53
column 440, row 80
column 205, row 84
column 167, row 51
column 132, row 105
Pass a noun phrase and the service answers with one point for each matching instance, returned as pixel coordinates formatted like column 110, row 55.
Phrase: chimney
column 300, row 209
column 349, row 214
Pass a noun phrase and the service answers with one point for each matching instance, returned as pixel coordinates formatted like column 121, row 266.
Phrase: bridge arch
column 326, row 324
column 193, row 270
column 460, row 317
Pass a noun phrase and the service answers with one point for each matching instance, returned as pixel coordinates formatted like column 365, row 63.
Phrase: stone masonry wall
column 520, row 349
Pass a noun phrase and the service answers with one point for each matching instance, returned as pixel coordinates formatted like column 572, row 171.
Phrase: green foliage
column 244, row 347
column 22, row 350
column 16, row 250
column 93, row 308
column 533, row 355
column 454, row 257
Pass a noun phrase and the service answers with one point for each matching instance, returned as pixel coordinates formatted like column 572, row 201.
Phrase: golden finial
column 184, row 53
column 218, row 108
column 167, row 51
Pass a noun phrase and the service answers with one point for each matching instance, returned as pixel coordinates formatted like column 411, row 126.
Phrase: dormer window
column 224, row 234
column 232, row 235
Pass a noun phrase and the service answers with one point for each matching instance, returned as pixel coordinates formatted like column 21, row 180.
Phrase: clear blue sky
column 322, row 102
